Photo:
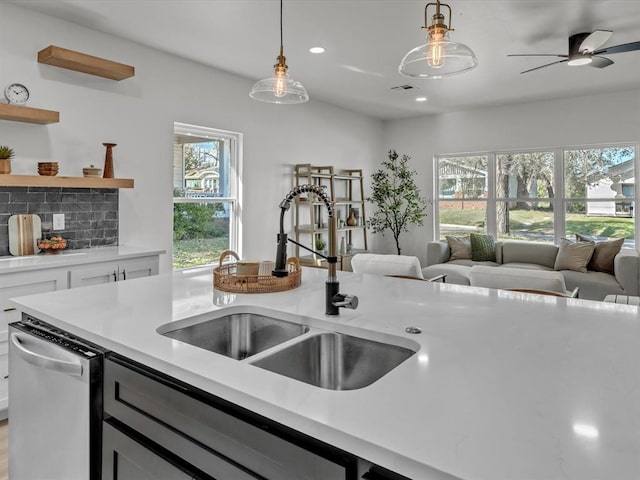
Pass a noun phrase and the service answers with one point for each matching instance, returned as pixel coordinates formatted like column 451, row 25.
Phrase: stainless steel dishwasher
column 55, row 404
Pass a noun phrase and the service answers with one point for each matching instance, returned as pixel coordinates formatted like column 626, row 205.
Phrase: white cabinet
column 60, row 278
column 106, row 272
column 16, row 285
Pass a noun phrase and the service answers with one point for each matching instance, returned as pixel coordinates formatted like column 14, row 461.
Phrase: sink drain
column 413, row 330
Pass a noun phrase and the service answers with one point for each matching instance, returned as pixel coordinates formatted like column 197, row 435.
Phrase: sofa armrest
column 437, row 252
column 626, row 267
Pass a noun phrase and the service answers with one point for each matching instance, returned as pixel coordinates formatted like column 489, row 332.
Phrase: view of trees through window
column 203, row 206
column 540, row 195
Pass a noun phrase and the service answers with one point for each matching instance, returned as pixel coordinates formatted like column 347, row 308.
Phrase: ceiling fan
column 584, row 49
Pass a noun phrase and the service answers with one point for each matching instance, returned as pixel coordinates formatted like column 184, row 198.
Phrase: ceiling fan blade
column 537, row 55
column 626, row 47
column 600, row 62
column 543, row 66
column 595, row 40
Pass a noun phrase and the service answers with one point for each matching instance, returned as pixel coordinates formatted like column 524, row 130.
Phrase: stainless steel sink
column 335, row 361
column 238, row 335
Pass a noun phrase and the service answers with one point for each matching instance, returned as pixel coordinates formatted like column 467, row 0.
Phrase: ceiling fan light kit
column 279, row 88
column 438, row 57
column 584, row 49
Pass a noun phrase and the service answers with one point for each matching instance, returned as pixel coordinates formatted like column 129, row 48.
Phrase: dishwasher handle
column 43, row 361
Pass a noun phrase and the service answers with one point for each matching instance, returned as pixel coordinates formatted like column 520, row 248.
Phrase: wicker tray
column 239, row 277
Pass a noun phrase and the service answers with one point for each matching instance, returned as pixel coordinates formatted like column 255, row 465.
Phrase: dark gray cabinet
column 210, row 435
column 125, row 459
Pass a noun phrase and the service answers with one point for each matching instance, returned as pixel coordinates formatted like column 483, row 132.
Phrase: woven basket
column 242, row 277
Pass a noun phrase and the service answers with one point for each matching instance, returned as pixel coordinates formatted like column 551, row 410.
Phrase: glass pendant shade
column 279, row 88
column 438, row 58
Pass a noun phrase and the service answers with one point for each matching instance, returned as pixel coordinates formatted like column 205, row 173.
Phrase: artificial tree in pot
column 396, row 198
column 6, row 154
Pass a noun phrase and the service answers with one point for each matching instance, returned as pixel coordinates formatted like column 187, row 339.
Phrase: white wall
column 138, row 115
column 588, row 120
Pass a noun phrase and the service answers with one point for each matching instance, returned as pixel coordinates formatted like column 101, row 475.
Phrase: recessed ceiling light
column 316, row 49
column 421, row 99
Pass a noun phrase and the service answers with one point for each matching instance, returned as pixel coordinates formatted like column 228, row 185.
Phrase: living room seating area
column 597, row 269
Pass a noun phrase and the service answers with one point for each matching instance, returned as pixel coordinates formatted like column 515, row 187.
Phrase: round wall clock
column 16, row 93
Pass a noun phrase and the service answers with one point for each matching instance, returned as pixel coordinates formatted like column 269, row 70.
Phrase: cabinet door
column 93, row 274
column 26, row 283
column 125, row 459
column 139, row 267
column 213, row 441
column 4, row 380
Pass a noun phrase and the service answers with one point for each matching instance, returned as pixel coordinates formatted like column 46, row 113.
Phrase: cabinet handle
column 9, row 309
column 124, row 274
column 115, row 276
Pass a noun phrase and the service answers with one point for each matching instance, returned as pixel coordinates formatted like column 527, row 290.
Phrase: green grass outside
column 541, row 223
column 194, row 253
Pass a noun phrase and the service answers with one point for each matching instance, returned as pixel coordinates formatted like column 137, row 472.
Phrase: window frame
column 235, row 179
column 560, row 200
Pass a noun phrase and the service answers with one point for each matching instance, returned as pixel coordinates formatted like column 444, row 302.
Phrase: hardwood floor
column 4, row 450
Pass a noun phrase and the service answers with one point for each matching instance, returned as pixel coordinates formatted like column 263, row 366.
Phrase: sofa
column 592, row 285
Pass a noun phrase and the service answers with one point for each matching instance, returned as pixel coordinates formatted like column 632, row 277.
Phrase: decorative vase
column 108, row 160
column 343, row 249
column 5, row 166
column 352, row 221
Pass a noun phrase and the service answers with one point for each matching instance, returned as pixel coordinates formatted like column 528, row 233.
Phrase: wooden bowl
column 48, row 168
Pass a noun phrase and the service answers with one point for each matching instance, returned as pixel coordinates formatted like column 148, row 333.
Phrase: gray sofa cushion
column 593, row 285
column 456, row 273
column 526, row 252
column 526, row 266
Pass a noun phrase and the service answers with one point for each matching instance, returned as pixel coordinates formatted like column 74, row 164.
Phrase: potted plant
column 396, row 197
column 6, row 154
column 320, row 244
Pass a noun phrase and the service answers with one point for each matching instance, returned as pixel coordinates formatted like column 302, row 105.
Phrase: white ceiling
column 366, row 39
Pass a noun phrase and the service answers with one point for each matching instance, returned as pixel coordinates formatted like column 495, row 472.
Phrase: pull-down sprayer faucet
column 334, row 299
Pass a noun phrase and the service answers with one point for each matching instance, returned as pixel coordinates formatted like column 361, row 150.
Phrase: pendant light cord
column 281, row 41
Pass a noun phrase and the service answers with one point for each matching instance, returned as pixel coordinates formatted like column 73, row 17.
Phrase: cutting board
column 24, row 232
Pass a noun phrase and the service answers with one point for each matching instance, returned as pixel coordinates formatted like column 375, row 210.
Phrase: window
column 463, row 187
column 206, row 182
column 539, row 195
column 600, row 185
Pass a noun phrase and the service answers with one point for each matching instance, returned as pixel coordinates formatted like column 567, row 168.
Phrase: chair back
column 404, row 265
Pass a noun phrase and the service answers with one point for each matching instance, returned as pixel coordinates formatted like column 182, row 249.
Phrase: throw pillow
column 460, row 248
column 483, row 248
column 604, row 253
column 574, row 256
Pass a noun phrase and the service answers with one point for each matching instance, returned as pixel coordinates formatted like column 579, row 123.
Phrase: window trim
column 560, row 200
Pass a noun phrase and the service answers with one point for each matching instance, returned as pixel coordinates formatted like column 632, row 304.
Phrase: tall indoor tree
column 396, row 198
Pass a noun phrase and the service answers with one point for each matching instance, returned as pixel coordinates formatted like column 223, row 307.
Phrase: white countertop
column 10, row 264
column 505, row 385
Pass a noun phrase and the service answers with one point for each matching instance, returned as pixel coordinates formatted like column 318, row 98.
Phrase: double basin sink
column 324, row 358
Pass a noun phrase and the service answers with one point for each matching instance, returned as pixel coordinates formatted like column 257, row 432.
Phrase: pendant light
column 279, row 88
column 439, row 57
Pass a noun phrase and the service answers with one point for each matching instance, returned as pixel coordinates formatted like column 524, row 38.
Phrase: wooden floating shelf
column 70, row 182
column 19, row 113
column 81, row 62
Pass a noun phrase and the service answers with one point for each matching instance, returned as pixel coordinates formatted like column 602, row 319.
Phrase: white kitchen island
column 504, row 385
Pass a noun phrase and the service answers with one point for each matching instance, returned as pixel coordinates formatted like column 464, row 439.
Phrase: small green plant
column 6, row 153
column 320, row 244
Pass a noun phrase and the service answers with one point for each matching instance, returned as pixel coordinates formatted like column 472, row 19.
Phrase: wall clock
column 16, row 94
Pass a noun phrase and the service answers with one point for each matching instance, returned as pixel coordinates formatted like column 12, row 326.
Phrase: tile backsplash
column 90, row 214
